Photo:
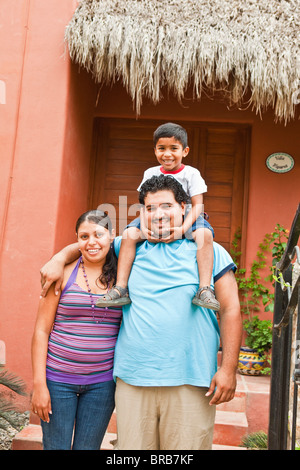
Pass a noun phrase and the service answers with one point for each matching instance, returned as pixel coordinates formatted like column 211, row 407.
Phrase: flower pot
column 250, row 362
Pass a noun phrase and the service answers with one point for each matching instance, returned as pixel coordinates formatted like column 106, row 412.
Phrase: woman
column 73, row 345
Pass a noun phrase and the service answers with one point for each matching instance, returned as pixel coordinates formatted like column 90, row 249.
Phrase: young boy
column 170, row 147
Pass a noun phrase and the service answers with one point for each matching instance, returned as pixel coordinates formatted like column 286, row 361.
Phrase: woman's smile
column 94, row 241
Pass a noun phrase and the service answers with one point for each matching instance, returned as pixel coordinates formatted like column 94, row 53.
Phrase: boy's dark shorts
column 201, row 222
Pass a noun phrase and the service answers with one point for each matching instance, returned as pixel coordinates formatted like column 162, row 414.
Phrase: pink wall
column 13, row 33
column 38, row 128
column 274, row 197
column 75, row 170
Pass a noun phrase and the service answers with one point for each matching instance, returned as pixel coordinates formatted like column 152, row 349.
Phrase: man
column 166, row 355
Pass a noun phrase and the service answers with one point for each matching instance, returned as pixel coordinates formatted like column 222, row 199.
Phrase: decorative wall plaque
column 280, row 162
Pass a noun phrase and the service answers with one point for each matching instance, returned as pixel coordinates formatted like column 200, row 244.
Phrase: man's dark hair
column 163, row 183
column 171, row 130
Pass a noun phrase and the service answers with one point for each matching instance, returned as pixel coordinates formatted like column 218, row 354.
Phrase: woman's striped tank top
column 80, row 350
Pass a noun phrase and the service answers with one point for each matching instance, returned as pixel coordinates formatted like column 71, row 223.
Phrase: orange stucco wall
column 46, row 123
column 45, row 138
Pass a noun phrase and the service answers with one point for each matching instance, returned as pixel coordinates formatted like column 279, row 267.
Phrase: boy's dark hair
column 163, row 183
column 171, row 130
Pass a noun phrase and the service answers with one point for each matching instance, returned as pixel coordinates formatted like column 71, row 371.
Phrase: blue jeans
column 84, row 409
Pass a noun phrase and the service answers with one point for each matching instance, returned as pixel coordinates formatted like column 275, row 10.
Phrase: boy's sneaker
column 117, row 296
column 205, row 298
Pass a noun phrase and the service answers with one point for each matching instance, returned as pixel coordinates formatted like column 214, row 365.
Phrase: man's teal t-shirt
column 164, row 339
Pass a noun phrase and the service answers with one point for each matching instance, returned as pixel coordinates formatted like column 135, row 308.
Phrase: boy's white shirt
column 189, row 177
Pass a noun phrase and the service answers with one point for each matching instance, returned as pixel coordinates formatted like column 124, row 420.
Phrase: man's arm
column 224, row 381
column 53, row 270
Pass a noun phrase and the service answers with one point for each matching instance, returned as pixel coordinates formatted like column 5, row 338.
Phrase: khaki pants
column 163, row 418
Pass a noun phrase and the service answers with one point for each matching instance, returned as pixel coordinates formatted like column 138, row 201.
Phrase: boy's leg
column 118, row 295
column 205, row 296
column 131, row 237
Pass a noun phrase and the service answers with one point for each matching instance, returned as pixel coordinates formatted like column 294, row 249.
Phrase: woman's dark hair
column 163, row 183
column 109, row 270
column 171, row 130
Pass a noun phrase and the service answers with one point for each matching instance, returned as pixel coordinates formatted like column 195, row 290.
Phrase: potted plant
column 255, row 295
column 253, row 357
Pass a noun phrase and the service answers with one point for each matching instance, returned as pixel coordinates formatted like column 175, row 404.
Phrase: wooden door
column 123, row 150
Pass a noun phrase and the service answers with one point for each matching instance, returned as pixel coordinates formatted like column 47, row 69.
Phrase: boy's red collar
column 171, row 172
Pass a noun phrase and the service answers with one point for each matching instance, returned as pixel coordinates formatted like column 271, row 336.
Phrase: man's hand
column 223, row 387
column 51, row 272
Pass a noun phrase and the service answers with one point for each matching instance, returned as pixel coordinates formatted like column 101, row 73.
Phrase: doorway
column 123, row 150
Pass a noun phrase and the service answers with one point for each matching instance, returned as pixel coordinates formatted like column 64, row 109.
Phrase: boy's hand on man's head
column 147, row 233
column 174, row 233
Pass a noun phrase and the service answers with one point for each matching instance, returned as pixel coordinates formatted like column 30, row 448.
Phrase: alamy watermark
column 150, row 219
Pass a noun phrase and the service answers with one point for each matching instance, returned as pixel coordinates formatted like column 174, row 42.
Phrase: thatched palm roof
column 239, row 46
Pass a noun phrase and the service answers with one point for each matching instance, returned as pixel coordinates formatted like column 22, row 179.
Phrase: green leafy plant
column 256, row 440
column 255, row 292
column 259, row 334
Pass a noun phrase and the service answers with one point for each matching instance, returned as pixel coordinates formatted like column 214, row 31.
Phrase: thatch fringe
column 239, row 46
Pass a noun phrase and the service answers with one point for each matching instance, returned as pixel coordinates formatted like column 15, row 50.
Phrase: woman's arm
column 53, row 270
column 41, row 403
